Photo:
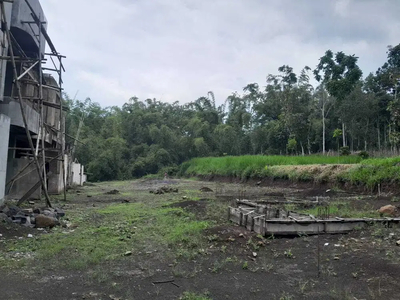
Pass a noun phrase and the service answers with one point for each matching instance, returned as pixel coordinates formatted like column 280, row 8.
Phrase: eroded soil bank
column 134, row 244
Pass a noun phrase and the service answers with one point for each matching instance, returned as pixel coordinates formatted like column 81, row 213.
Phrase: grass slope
column 323, row 169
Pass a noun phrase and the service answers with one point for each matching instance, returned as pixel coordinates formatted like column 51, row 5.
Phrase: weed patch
column 106, row 234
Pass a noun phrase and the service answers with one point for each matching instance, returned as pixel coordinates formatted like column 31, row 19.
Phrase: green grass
column 252, row 165
column 106, row 234
column 328, row 169
column 372, row 172
column 194, row 296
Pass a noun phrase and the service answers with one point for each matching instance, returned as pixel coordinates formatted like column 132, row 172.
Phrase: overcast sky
column 181, row 49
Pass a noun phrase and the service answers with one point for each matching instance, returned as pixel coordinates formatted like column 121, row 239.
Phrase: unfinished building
column 32, row 122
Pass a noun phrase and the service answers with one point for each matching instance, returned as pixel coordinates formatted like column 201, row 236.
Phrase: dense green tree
column 340, row 75
column 286, row 115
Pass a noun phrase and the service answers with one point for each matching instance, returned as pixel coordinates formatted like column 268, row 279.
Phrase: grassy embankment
column 321, row 169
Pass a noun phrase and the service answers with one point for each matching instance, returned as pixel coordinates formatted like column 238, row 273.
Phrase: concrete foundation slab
column 252, row 221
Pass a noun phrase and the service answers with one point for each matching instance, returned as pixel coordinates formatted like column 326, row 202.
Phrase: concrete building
column 78, row 176
column 18, row 172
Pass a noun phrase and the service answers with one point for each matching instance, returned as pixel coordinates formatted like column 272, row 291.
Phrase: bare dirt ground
column 224, row 262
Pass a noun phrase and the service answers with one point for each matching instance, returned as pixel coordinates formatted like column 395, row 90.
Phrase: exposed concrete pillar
column 4, row 137
column 4, row 49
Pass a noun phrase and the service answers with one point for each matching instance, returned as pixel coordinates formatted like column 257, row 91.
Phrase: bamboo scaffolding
column 27, row 65
column 21, row 104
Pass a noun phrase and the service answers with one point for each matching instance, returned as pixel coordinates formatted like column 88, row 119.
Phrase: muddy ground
column 230, row 263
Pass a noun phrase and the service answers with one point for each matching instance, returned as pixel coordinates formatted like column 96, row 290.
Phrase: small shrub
column 288, row 253
column 245, row 265
column 171, row 170
column 344, row 151
column 363, row 154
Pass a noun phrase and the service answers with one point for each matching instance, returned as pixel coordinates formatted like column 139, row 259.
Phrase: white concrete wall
column 4, row 137
column 78, row 176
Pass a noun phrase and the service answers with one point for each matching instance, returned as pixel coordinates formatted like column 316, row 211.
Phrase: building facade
column 40, row 95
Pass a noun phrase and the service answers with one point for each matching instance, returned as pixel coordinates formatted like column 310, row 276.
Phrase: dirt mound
column 197, row 207
column 205, row 189
column 164, row 190
column 112, row 192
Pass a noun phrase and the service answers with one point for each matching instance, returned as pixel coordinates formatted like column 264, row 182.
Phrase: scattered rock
column 23, row 219
column 42, row 221
column 241, row 234
column 60, row 212
column 50, row 212
column 128, row 253
column 112, row 192
column 4, row 209
column 388, row 210
column 254, row 254
column 164, row 190
column 398, row 243
column 12, row 211
column 30, row 236
column 31, row 202
column 4, row 218
column 205, row 189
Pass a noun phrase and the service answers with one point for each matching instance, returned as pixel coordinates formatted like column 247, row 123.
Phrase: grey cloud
column 180, row 49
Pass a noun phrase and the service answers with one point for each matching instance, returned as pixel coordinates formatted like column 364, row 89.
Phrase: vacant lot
column 168, row 244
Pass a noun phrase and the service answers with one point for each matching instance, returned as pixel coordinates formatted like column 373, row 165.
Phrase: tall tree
column 340, row 74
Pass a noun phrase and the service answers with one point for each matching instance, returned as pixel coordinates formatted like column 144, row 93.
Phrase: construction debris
column 164, row 190
column 38, row 217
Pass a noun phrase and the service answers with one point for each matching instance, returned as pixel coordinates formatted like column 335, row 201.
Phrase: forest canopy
column 287, row 115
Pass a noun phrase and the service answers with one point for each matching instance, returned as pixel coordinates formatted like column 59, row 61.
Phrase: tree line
column 285, row 115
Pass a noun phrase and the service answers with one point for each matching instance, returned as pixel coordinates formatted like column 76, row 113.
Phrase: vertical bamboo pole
column 62, row 129
column 42, row 127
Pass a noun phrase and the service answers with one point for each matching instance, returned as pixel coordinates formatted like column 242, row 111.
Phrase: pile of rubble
column 164, row 190
column 31, row 217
